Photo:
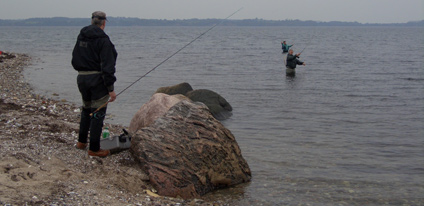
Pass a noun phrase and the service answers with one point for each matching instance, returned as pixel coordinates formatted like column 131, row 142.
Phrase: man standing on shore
column 94, row 57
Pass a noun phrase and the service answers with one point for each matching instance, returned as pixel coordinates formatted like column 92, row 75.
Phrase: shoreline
column 40, row 164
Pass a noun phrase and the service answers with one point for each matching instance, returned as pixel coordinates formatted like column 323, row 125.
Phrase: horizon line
column 318, row 21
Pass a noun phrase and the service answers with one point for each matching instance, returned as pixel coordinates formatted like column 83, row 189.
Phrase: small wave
column 413, row 79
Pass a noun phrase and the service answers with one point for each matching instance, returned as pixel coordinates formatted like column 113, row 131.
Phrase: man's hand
column 112, row 96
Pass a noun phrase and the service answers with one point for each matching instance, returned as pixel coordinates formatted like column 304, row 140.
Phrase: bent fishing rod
column 310, row 40
column 172, row 55
column 306, row 46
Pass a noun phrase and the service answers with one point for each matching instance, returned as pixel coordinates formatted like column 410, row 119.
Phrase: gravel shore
column 39, row 164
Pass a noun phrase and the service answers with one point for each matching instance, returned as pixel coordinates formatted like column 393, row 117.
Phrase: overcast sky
column 363, row 11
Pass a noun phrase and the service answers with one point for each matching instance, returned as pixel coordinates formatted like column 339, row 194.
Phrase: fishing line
column 310, row 40
column 198, row 37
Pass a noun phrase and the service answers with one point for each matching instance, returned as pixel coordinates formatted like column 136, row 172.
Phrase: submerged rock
column 188, row 153
column 181, row 88
column 218, row 106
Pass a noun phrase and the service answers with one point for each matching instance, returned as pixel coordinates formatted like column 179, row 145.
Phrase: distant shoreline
column 123, row 21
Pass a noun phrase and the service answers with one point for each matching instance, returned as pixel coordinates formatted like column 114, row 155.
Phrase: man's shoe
column 81, row 145
column 100, row 153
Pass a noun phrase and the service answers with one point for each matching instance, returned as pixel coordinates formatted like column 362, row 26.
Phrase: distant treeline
column 123, row 21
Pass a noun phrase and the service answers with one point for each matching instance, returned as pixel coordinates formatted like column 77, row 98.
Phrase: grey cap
column 100, row 15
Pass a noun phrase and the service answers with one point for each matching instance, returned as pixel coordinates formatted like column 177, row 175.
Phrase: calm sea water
column 348, row 129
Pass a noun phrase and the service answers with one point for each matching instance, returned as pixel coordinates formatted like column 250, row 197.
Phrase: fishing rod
column 198, row 37
column 303, row 49
column 310, row 40
column 306, row 45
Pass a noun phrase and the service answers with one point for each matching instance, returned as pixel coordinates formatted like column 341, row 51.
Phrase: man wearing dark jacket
column 291, row 62
column 94, row 57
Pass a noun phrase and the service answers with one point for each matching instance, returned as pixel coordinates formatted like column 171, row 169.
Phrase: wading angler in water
column 285, row 47
column 94, row 57
column 291, row 62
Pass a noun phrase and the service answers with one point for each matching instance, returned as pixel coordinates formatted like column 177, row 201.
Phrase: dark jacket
column 94, row 51
column 292, row 61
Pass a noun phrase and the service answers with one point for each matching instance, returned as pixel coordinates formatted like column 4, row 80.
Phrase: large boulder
column 218, row 106
column 181, row 88
column 188, row 153
column 156, row 107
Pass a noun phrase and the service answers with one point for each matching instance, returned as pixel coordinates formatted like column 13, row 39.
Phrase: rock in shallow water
column 188, row 153
column 218, row 105
column 181, row 88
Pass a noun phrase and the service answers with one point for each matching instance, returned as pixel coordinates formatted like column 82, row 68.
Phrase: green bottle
column 105, row 133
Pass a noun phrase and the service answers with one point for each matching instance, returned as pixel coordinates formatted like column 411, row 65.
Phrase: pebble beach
column 39, row 162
